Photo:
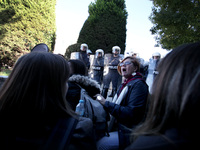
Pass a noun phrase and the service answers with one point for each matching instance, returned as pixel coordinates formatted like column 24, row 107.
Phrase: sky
column 71, row 15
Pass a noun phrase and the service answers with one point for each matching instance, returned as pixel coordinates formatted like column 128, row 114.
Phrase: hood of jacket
column 91, row 86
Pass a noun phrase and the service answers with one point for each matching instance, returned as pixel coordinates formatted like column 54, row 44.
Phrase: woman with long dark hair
column 33, row 107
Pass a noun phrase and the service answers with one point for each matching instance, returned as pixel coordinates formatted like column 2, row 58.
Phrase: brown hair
column 175, row 96
column 36, row 87
column 133, row 60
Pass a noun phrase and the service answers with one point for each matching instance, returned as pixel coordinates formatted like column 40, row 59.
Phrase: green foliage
column 175, row 22
column 23, row 24
column 72, row 48
column 105, row 26
column 5, row 72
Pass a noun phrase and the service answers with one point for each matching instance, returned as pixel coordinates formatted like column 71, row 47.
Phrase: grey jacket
column 83, row 137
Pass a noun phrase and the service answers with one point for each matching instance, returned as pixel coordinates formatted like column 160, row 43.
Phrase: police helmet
column 99, row 51
column 84, row 45
column 116, row 48
column 156, row 54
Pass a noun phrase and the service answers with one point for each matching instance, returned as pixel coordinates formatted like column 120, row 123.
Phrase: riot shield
column 121, row 57
column 75, row 55
column 90, row 72
column 107, row 59
column 151, row 73
column 111, row 63
column 97, row 68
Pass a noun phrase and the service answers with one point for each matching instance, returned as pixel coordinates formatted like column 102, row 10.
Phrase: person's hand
column 100, row 99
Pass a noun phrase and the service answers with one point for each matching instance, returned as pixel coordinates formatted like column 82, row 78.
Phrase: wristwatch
column 99, row 98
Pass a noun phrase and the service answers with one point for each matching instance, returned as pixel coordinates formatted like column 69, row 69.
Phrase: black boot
column 104, row 92
column 114, row 91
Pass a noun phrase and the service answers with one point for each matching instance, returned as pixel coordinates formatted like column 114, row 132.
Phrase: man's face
column 84, row 48
column 99, row 55
column 156, row 57
column 116, row 51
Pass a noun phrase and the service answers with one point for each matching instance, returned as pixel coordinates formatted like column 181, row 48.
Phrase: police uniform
column 98, row 66
column 83, row 55
column 113, row 75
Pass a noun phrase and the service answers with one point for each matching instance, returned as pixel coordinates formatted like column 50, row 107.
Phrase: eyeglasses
column 125, row 63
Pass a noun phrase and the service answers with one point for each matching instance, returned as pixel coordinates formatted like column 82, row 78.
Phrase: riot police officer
column 152, row 72
column 83, row 55
column 156, row 57
column 112, row 74
column 98, row 66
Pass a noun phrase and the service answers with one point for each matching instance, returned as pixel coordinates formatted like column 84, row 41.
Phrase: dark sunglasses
column 125, row 63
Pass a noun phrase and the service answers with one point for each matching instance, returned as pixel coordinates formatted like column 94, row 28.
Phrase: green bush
column 72, row 48
column 175, row 22
column 105, row 26
column 5, row 72
column 23, row 24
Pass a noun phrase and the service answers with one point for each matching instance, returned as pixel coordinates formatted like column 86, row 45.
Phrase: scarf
column 126, row 81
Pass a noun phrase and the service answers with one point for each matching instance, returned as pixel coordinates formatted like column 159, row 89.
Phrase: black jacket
column 131, row 111
column 170, row 140
column 84, row 57
column 31, row 135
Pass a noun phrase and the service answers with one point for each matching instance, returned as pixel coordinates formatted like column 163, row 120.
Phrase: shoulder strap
column 82, row 92
column 61, row 134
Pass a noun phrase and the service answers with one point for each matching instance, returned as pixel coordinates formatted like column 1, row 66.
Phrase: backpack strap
column 82, row 92
column 61, row 134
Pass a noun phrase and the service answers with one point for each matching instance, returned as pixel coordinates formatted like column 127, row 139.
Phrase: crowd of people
column 39, row 97
column 104, row 67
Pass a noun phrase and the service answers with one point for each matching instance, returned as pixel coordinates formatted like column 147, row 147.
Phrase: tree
column 106, row 25
column 23, row 24
column 72, row 48
column 175, row 22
